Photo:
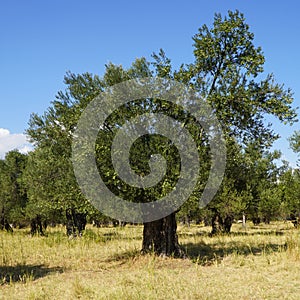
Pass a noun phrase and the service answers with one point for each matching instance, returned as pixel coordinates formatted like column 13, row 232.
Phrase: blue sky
column 41, row 40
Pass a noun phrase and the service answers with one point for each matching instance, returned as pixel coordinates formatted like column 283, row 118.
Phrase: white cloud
column 3, row 132
column 11, row 141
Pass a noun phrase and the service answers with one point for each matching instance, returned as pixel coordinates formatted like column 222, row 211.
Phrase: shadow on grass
column 25, row 273
column 245, row 233
column 123, row 257
column 91, row 235
column 207, row 254
column 236, row 233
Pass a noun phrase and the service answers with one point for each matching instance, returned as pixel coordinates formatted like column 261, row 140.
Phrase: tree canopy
column 228, row 73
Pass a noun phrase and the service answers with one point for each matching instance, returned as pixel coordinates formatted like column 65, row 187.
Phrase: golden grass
column 262, row 262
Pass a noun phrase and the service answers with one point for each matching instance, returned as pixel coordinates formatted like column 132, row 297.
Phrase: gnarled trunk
column 36, row 226
column 4, row 223
column 221, row 225
column 160, row 237
column 76, row 222
column 216, row 224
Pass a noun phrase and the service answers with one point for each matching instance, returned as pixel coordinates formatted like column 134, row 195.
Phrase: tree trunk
column 256, row 220
column 161, row 238
column 76, row 222
column 227, row 224
column 244, row 221
column 37, row 226
column 71, row 231
column 220, row 225
column 4, row 223
column 216, row 224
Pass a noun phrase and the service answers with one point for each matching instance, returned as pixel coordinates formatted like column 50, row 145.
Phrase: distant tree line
column 260, row 189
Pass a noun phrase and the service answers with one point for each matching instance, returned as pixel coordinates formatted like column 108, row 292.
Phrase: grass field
column 261, row 262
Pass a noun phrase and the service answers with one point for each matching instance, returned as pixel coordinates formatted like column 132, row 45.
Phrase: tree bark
column 76, row 222
column 216, row 224
column 227, row 224
column 36, row 226
column 256, row 220
column 4, row 223
column 221, row 225
column 160, row 237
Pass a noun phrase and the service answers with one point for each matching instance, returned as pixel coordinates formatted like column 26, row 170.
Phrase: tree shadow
column 107, row 236
column 235, row 233
column 260, row 232
column 123, row 257
column 207, row 254
column 25, row 273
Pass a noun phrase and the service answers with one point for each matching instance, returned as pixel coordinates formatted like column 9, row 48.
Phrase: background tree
column 225, row 71
column 289, row 183
column 290, row 187
column 13, row 195
column 262, row 174
column 295, row 142
column 52, row 187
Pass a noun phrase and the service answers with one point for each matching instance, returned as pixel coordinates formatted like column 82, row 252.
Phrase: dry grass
column 262, row 262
